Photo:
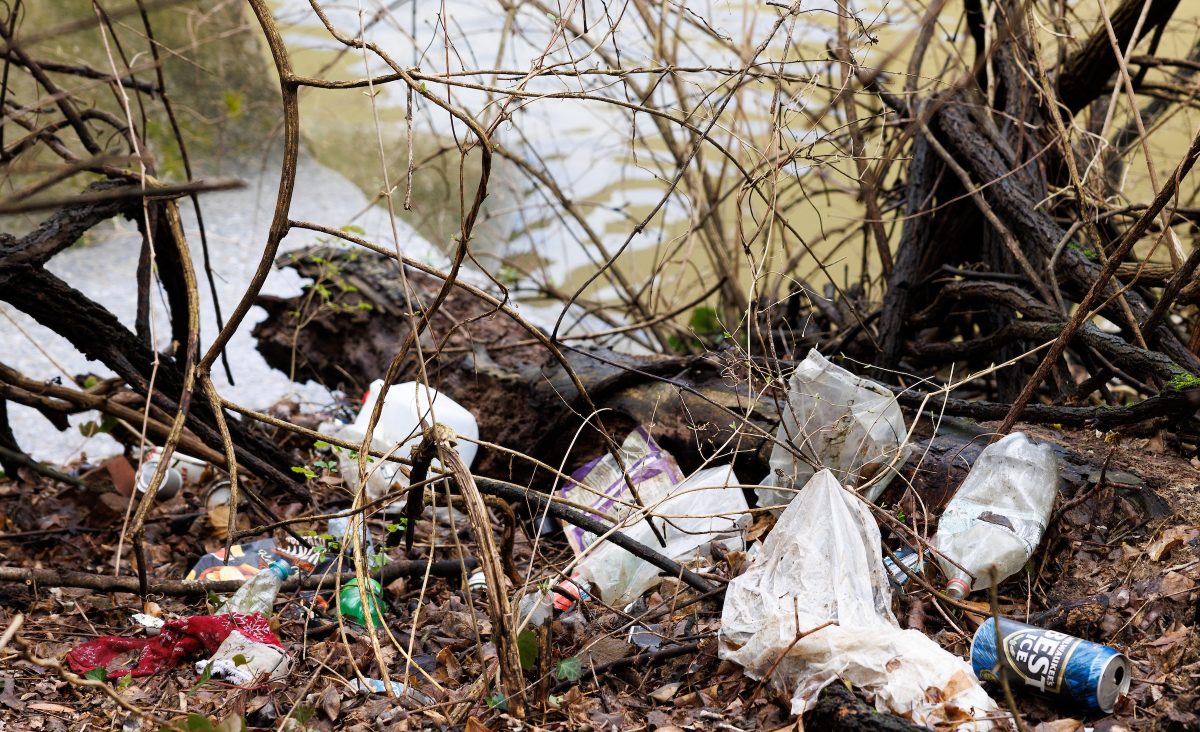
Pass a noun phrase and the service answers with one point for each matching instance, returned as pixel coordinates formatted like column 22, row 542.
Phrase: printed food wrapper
column 601, row 485
column 246, row 560
column 821, row 566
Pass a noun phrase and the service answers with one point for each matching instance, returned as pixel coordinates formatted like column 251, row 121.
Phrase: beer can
column 1051, row 662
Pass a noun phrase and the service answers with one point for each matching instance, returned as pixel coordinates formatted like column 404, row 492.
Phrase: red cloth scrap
column 179, row 639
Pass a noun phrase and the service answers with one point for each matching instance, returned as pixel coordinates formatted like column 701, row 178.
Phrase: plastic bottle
column 350, row 602
column 996, row 519
column 258, row 593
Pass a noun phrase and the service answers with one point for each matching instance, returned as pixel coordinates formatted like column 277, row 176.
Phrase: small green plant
column 97, row 674
column 527, row 647
column 496, row 700
column 304, row 470
column 569, row 669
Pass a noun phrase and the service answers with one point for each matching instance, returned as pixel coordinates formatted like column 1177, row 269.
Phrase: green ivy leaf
column 97, row 674
column 200, row 723
column 527, row 647
column 568, row 669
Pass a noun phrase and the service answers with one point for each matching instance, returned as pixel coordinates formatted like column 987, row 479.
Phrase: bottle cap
column 958, row 588
column 282, row 568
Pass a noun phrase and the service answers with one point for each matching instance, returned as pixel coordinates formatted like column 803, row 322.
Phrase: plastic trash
column 821, row 564
column 240, row 660
column 339, row 529
column 257, row 594
column 995, row 521
column 401, row 690
column 601, row 485
column 691, row 515
column 246, row 560
column 182, row 470
column 350, row 602
column 400, row 423
column 896, row 574
column 848, row 424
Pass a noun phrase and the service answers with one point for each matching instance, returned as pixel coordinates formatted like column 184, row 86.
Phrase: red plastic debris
column 179, row 639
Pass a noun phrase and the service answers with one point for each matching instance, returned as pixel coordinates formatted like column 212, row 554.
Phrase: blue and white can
column 1051, row 662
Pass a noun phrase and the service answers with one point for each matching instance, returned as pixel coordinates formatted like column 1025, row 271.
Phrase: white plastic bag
column 400, row 423
column 706, row 507
column 996, row 519
column 240, row 661
column 847, row 424
column 600, row 484
column 821, row 563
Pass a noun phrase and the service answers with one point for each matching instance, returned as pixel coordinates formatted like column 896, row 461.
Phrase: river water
column 610, row 165
column 612, row 171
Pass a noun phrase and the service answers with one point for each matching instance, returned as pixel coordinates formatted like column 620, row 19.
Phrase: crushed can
column 896, row 574
column 1092, row 675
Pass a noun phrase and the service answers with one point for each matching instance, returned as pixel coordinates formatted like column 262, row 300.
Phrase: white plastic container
column 400, row 423
column 996, row 519
column 181, row 470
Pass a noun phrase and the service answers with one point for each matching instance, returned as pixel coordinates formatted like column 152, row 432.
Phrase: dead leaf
column 1170, row 540
column 1060, row 725
column 8, row 698
column 331, row 703
column 49, row 708
column 664, row 693
column 474, row 725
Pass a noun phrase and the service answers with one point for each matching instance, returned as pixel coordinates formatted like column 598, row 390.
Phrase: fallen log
column 199, row 588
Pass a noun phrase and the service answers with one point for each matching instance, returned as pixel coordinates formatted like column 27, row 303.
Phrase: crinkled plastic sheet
column 822, row 562
column 850, row 425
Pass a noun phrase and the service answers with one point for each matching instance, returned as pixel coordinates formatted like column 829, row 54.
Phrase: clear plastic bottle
column 257, row 595
column 996, row 519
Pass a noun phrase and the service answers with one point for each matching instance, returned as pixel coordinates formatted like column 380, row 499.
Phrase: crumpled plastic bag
column 178, row 639
column 601, row 485
column 821, row 563
column 400, row 423
column 850, row 425
column 240, row 660
column 706, row 507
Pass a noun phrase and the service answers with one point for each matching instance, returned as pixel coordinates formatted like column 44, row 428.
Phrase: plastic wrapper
column 399, row 423
column 601, row 485
column 848, row 424
column 822, row 564
column 690, row 515
column 240, row 661
column 995, row 521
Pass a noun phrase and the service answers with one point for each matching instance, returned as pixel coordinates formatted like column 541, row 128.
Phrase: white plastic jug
column 404, row 407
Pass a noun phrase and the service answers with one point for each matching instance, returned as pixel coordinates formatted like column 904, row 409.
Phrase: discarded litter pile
column 814, row 606
column 806, row 593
